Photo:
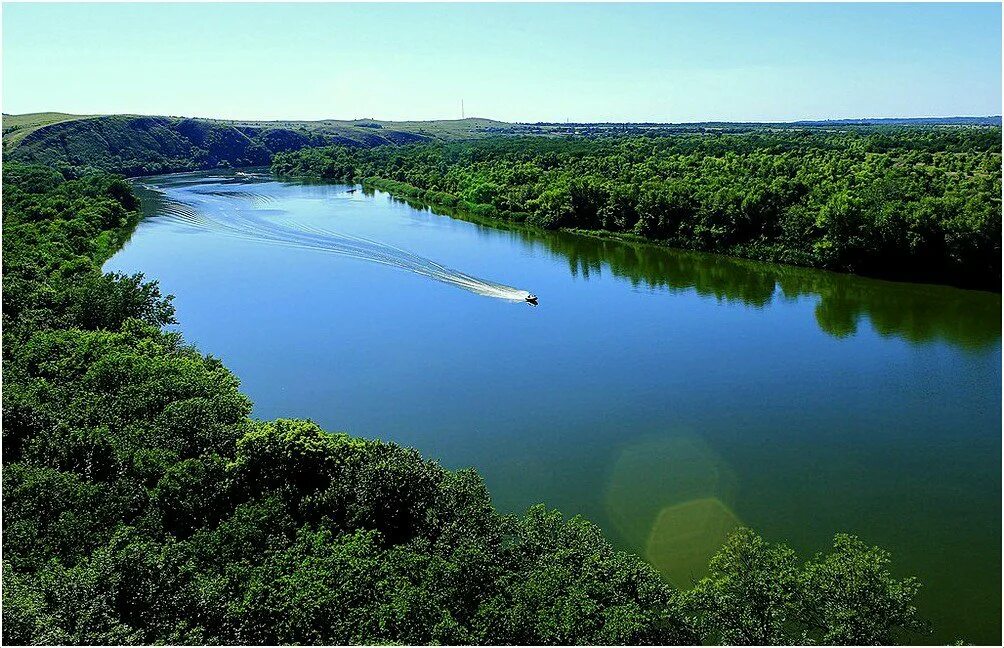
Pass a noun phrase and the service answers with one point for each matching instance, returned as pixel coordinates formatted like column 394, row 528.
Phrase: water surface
column 668, row 396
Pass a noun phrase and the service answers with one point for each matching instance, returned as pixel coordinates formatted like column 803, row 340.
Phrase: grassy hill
column 140, row 145
column 16, row 127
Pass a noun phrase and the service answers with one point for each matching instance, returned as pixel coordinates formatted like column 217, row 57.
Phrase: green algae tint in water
column 667, row 396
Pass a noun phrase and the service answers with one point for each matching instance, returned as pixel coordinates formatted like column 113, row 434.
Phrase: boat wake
column 263, row 226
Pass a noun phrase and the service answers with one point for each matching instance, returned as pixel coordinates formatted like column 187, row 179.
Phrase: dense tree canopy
column 914, row 203
column 759, row 594
column 142, row 504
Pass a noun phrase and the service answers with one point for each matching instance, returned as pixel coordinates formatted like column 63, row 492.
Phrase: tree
column 849, row 596
column 757, row 593
column 750, row 596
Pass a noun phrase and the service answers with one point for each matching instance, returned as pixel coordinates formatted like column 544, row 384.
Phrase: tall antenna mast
column 462, row 109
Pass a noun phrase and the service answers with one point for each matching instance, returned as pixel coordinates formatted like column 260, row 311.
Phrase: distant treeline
column 143, row 505
column 918, row 203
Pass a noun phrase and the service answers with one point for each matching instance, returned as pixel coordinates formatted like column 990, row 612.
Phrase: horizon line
column 997, row 116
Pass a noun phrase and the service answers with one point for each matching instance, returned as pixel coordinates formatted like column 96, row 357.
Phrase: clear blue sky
column 510, row 62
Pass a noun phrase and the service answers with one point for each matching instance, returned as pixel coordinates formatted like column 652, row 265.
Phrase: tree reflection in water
column 918, row 313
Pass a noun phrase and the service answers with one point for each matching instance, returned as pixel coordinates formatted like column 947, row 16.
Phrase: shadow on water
column 918, row 313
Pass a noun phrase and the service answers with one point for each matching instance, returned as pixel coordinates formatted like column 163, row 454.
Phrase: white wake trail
column 245, row 225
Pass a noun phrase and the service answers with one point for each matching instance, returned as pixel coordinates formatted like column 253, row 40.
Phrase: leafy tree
column 758, row 594
column 851, row 598
column 750, row 596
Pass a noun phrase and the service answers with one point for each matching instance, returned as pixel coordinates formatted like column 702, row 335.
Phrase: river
column 668, row 396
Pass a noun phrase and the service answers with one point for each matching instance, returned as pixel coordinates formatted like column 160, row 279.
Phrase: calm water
column 667, row 396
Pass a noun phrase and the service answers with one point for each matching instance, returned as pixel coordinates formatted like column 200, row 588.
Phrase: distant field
column 436, row 129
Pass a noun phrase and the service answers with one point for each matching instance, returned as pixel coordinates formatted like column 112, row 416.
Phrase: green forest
column 919, row 203
column 143, row 504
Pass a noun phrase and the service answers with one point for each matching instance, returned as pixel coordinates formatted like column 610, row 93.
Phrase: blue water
column 667, row 396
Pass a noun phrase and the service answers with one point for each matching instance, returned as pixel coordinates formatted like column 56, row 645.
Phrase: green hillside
column 141, row 145
column 17, row 127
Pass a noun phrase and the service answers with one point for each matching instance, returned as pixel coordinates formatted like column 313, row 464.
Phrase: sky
column 666, row 63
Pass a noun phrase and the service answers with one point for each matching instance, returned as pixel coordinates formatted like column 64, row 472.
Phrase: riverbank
column 920, row 205
column 449, row 205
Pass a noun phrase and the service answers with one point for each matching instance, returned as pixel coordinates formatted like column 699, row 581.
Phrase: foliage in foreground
column 911, row 203
column 759, row 594
column 143, row 505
